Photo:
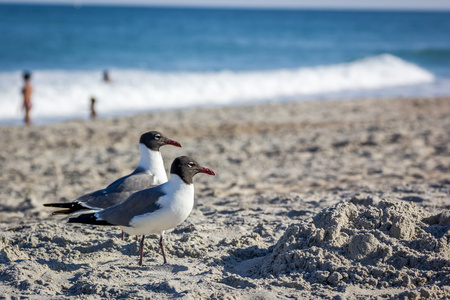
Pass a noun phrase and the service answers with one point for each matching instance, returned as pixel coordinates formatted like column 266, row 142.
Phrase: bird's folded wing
column 139, row 203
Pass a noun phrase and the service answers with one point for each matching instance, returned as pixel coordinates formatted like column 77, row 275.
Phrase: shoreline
column 338, row 97
column 285, row 171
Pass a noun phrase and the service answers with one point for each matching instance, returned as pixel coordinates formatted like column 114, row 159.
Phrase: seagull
column 154, row 210
column 150, row 172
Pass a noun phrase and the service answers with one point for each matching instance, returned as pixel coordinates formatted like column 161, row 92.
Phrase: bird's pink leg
column 142, row 250
column 162, row 248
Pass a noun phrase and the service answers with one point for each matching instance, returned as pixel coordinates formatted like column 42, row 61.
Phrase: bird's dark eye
column 157, row 136
column 191, row 164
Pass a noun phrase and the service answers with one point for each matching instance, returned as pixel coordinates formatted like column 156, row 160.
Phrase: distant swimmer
column 93, row 112
column 106, row 76
column 26, row 92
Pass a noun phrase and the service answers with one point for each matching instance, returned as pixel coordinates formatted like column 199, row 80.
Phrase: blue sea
column 172, row 58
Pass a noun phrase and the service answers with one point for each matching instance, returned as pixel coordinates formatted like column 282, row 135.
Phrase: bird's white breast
column 175, row 207
column 152, row 162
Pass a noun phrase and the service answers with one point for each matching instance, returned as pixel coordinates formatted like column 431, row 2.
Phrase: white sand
column 345, row 199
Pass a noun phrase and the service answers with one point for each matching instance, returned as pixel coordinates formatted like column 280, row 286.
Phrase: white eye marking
column 191, row 164
column 157, row 136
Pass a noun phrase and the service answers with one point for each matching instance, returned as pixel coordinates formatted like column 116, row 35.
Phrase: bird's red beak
column 207, row 171
column 173, row 143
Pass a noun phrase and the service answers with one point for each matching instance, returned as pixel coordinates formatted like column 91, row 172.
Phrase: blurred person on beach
column 106, row 76
column 93, row 112
column 26, row 92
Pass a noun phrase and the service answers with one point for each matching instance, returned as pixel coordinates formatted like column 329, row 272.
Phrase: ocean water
column 172, row 58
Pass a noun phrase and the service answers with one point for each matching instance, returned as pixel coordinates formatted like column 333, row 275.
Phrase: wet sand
column 346, row 199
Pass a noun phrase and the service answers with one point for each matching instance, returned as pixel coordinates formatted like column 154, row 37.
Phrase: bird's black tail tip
column 62, row 212
column 70, row 208
column 88, row 219
column 62, row 205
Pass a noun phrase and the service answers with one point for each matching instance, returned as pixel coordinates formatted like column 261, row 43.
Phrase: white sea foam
column 60, row 94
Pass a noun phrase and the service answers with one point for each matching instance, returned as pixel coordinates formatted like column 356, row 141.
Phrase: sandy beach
column 326, row 200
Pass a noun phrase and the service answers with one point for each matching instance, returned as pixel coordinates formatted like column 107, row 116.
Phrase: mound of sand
column 375, row 246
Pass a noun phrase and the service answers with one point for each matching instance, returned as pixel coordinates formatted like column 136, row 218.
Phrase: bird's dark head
column 155, row 139
column 186, row 168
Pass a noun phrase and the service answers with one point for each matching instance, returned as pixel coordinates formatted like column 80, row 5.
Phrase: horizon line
column 226, row 6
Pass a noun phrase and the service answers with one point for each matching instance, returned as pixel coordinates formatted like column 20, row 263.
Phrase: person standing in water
column 26, row 92
column 93, row 112
column 106, row 76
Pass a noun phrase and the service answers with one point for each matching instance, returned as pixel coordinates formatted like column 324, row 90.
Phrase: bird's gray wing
column 136, row 181
column 117, row 191
column 139, row 203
